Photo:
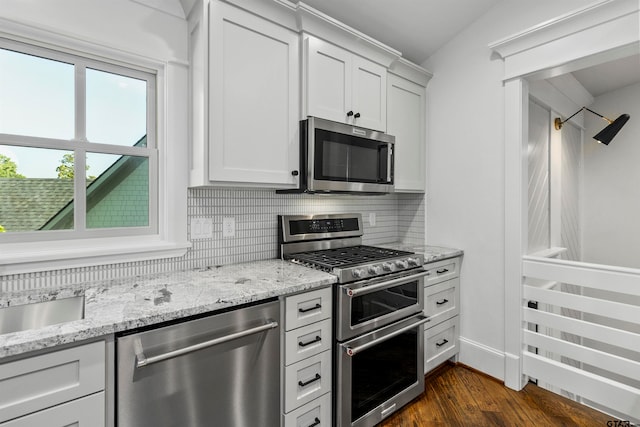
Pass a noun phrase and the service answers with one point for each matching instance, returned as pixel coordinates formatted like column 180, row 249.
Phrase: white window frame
column 166, row 236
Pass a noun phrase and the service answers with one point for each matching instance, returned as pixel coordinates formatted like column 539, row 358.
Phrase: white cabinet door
column 344, row 87
column 328, row 80
column 84, row 412
column 38, row 382
column 253, row 99
column 369, row 94
column 406, row 121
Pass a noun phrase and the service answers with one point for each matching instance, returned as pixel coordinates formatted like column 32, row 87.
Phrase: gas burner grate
column 345, row 257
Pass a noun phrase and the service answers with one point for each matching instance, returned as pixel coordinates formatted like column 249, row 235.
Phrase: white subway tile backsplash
column 399, row 217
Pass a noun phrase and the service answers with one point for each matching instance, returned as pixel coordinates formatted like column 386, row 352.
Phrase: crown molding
column 583, row 33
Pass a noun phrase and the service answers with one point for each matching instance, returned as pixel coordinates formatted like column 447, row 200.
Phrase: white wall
column 120, row 24
column 611, row 183
column 465, row 169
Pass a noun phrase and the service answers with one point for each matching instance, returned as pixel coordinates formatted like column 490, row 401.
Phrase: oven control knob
column 413, row 262
column 374, row 270
column 402, row 264
column 387, row 266
column 357, row 273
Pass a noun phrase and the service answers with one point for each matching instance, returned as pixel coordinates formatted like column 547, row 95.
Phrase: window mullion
column 80, row 154
column 81, row 102
column 80, row 184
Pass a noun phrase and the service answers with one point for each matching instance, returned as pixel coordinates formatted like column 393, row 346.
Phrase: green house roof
column 26, row 204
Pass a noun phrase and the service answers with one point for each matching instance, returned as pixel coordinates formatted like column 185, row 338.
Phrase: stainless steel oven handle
column 142, row 360
column 352, row 351
column 385, row 284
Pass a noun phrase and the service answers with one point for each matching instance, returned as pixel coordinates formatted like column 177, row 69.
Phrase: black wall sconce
column 605, row 135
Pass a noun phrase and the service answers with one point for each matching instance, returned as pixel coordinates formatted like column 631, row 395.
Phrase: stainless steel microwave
column 336, row 157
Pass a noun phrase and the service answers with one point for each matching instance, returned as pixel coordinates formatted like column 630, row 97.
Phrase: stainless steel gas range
column 378, row 302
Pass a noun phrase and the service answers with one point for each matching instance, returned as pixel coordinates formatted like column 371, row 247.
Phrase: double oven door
column 370, row 304
column 379, row 354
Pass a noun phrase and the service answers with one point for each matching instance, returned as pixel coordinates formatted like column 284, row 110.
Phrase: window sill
column 18, row 258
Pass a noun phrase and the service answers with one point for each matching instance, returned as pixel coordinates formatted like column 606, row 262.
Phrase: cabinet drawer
column 442, row 270
column 441, row 343
column 316, row 413
column 441, row 301
column 307, row 380
column 307, row 341
column 85, row 412
column 39, row 382
column 307, row 308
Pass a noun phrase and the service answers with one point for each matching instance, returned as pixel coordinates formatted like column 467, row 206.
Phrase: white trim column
column 516, row 136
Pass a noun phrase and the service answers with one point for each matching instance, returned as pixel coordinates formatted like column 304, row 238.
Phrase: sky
column 37, row 99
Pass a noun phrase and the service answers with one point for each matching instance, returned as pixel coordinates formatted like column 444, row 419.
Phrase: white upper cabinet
column 344, row 87
column 406, row 121
column 249, row 87
column 249, row 91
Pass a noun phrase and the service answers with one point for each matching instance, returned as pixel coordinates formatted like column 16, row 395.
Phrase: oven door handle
column 352, row 351
column 385, row 284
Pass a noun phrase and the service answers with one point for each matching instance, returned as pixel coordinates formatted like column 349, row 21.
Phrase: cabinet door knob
column 356, row 115
column 349, row 113
column 294, row 173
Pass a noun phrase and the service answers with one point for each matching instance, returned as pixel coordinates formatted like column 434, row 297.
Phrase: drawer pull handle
column 440, row 344
column 313, row 341
column 312, row 380
column 305, row 310
column 444, row 270
column 316, row 422
column 444, row 301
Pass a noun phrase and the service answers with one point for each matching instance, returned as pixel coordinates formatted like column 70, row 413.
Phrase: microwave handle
column 389, row 162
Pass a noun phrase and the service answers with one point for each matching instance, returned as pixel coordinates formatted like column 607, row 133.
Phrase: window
column 78, row 156
column 92, row 153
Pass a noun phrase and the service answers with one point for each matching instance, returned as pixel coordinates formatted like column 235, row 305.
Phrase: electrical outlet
column 201, row 228
column 228, row 227
column 372, row 219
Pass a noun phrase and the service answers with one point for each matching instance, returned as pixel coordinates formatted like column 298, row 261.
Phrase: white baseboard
column 481, row 357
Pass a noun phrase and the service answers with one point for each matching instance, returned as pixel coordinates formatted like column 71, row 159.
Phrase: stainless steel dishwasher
column 221, row 370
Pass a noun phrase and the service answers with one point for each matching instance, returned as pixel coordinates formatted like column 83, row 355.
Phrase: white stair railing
column 602, row 367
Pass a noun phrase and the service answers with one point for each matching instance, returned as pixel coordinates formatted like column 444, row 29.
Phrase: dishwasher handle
column 142, row 360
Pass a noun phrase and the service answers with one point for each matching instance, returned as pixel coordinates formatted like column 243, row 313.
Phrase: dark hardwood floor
column 456, row 395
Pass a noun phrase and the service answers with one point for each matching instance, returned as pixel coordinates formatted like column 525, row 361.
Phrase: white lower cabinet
column 307, row 341
column 314, row 414
column 307, row 359
column 441, row 301
column 307, row 308
column 441, row 343
column 307, row 380
column 84, row 412
column 442, row 306
column 61, row 388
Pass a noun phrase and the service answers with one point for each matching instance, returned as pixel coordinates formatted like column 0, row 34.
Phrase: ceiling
column 610, row 76
column 417, row 28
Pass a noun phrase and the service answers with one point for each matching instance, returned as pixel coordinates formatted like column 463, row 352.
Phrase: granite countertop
column 122, row 304
column 431, row 253
column 118, row 305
